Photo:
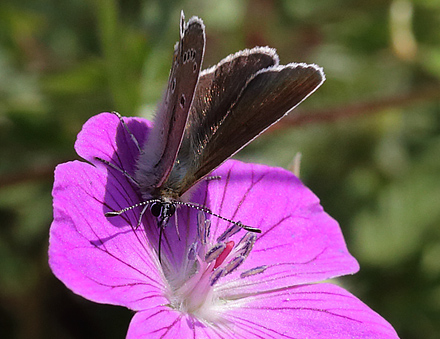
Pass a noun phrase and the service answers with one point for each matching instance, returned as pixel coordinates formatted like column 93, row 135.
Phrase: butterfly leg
column 133, row 138
column 177, row 226
column 141, row 215
column 123, row 171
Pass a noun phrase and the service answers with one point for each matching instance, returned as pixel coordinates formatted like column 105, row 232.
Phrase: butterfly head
column 162, row 211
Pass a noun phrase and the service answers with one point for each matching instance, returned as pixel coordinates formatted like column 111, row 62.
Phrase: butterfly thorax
column 163, row 193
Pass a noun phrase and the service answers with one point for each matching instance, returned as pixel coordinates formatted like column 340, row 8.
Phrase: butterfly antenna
column 207, row 210
column 116, row 213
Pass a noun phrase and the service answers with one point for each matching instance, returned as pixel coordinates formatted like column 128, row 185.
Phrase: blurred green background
column 369, row 138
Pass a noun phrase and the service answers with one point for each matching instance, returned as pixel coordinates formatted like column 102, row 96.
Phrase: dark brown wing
column 160, row 151
column 217, row 89
column 269, row 95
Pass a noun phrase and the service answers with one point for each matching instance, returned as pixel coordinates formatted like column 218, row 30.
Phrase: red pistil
column 224, row 254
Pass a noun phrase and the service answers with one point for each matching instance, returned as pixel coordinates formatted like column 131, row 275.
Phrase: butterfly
column 207, row 116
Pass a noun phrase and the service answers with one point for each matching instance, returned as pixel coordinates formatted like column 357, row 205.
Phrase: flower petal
column 107, row 262
column 300, row 243
column 309, row 311
column 105, row 137
column 163, row 322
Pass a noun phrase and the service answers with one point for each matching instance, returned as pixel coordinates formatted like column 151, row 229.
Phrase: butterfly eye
column 171, row 209
column 156, row 209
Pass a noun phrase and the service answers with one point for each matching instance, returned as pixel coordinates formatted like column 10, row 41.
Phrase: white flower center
column 192, row 290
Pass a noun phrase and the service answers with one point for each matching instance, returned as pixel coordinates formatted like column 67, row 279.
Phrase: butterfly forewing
column 269, row 95
column 160, row 151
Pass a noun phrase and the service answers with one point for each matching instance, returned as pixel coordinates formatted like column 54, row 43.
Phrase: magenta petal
column 300, row 243
column 163, row 322
column 110, row 260
column 318, row 311
column 309, row 311
column 105, row 137
column 102, row 261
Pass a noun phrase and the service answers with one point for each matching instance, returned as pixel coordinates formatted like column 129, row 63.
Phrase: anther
column 234, row 264
column 216, row 275
column 203, row 227
column 229, row 233
column 246, row 243
column 214, row 252
column 253, row 271
column 192, row 253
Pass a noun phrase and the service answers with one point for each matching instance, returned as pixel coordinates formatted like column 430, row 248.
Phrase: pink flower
column 210, row 284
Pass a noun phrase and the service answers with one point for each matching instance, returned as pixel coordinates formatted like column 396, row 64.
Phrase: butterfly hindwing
column 267, row 96
column 219, row 86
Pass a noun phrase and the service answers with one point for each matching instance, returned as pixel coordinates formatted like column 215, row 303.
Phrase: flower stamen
column 234, row 264
column 208, row 261
column 203, row 228
column 216, row 275
column 215, row 252
column 229, row 233
column 253, row 271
